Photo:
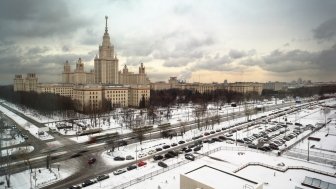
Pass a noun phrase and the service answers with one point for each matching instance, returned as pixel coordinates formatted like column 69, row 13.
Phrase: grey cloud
column 326, row 31
column 326, row 60
column 236, row 54
column 37, row 50
column 33, row 18
column 217, row 63
column 65, row 48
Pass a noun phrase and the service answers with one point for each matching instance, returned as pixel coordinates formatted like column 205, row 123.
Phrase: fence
column 285, row 169
column 173, row 166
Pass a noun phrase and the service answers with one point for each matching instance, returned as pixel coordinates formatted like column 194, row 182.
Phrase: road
column 38, row 157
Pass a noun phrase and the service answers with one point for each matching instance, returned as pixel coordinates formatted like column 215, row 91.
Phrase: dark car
column 252, row 146
column 205, row 140
column 102, row 177
column 188, row 150
column 181, row 142
column 131, row 167
column 206, row 134
column 212, row 132
column 198, row 148
column 222, row 137
column 91, row 161
column 87, row 183
column 168, row 155
column 165, row 146
column 190, row 157
column 212, row 141
column 174, row 144
column 158, row 149
column 118, row 158
column 173, row 153
column 240, row 140
column 191, row 145
column 162, row 164
column 218, row 130
column 184, row 148
column 157, row 157
column 223, row 129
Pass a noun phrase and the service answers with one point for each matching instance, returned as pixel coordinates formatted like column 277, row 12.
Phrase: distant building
column 25, row 84
column 246, row 87
column 275, row 86
column 78, row 76
column 91, row 90
column 242, row 87
column 127, row 78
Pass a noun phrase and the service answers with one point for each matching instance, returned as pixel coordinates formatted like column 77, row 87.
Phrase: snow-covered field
column 230, row 157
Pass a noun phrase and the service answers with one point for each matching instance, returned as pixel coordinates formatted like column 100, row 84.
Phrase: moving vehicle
column 91, row 161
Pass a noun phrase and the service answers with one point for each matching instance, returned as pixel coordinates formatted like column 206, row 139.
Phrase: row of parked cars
column 90, row 181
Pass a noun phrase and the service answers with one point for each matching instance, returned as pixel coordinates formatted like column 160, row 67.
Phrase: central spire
column 106, row 24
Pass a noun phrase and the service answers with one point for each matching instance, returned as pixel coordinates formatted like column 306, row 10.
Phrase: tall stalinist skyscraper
column 106, row 63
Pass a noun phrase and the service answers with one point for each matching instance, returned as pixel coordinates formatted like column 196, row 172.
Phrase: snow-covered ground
column 37, row 178
column 17, row 150
column 226, row 159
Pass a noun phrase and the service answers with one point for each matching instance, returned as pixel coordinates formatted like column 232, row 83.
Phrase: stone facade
column 91, row 90
column 130, row 78
column 78, row 76
column 276, row 86
column 25, row 84
column 241, row 87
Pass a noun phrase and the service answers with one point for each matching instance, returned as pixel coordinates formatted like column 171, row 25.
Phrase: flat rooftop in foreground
column 216, row 178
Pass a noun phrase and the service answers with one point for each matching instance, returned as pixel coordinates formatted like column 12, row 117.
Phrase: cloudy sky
column 196, row 40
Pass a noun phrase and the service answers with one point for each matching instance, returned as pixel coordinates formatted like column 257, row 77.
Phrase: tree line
column 44, row 103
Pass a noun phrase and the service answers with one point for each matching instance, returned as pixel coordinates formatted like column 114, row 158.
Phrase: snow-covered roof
column 216, row 178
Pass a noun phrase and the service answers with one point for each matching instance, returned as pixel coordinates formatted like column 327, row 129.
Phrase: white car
column 150, row 152
column 141, row 155
column 119, row 171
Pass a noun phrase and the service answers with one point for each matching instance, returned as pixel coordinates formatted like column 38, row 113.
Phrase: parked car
column 165, row 146
column 188, row 150
column 141, row 163
column 129, row 157
column 181, row 142
column 172, row 152
column 91, row 161
column 197, row 148
column 189, row 157
column 168, row 155
column 218, row 130
column 141, row 155
column 150, row 152
column 119, row 158
column 75, row 187
column 212, row 132
column 102, row 177
column 119, row 171
column 162, row 164
column 157, row 157
column 87, row 183
column 131, row 167
column 206, row 134
column 158, row 149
